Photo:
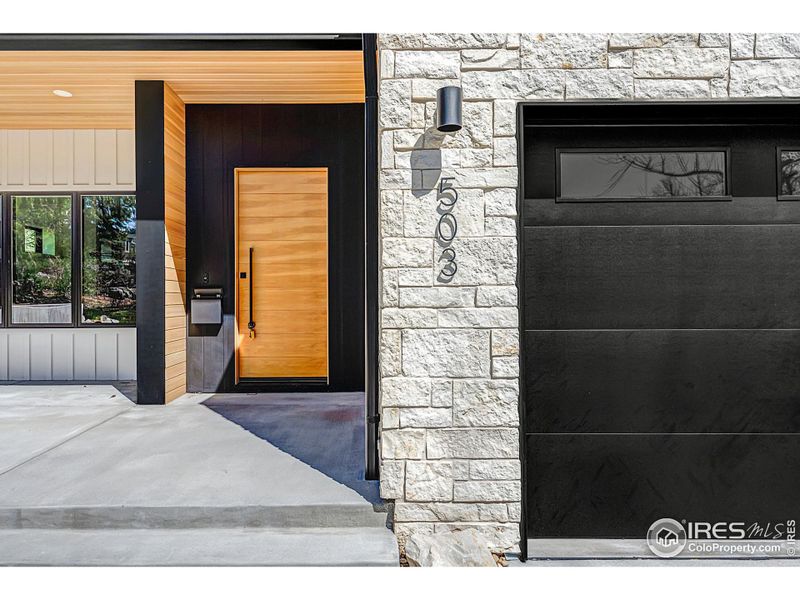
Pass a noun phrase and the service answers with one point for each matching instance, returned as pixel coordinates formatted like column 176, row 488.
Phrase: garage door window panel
column 789, row 173
column 634, row 175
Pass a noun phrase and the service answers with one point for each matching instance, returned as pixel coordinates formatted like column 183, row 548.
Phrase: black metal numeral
column 450, row 267
column 447, row 228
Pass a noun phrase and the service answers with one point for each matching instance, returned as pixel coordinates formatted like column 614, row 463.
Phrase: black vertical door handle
column 251, row 325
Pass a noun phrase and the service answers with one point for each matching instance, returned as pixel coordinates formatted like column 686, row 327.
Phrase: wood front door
column 282, row 256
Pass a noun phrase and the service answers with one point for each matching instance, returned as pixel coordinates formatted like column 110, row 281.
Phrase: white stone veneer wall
column 449, row 352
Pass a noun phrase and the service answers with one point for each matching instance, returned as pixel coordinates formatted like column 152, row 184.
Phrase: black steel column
column 150, row 362
column 371, row 251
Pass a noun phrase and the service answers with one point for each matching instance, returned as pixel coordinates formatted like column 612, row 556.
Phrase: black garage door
column 661, row 315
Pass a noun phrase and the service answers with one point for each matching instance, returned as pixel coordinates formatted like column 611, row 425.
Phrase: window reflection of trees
column 678, row 174
column 42, row 277
column 109, row 262
column 790, row 173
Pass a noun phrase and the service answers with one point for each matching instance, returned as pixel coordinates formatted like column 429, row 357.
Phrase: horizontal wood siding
column 67, row 159
column 174, row 244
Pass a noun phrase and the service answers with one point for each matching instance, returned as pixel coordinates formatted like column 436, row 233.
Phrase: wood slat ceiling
column 102, row 83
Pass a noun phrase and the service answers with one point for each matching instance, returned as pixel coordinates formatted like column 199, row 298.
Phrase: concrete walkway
column 85, row 474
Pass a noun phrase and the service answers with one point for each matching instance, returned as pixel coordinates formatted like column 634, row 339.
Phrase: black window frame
column 726, row 150
column 779, row 174
column 6, row 268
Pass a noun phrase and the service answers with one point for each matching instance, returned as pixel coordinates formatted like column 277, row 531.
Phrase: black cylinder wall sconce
column 448, row 108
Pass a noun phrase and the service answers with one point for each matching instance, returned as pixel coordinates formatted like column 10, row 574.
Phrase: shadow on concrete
column 323, row 430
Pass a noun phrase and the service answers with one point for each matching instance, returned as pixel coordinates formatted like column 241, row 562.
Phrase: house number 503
column 446, row 229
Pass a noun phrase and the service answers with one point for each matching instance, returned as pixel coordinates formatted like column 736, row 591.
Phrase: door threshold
column 299, row 380
column 274, row 384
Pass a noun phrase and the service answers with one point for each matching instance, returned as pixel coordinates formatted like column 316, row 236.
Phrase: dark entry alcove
column 221, row 138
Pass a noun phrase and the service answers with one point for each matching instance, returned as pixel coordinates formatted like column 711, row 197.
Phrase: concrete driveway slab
column 92, row 479
column 208, row 547
column 28, row 431
column 172, row 457
column 62, row 395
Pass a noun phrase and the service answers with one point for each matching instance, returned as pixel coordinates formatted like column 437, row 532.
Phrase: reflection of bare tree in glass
column 677, row 174
column 790, row 173
column 109, row 259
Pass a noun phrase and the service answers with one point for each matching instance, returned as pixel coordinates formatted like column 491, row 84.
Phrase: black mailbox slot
column 206, row 306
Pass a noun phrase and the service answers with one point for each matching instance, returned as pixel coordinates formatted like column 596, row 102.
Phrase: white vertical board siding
column 16, row 155
column 83, row 153
column 40, row 357
column 63, row 365
column 68, row 354
column 126, row 158
column 62, row 157
column 105, row 163
column 40, row 157
column 19, row 355
column 41, row 160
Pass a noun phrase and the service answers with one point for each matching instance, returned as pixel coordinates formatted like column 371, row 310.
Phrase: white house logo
column 666, row 538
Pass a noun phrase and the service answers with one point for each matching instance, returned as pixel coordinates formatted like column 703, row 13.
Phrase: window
column 108, row 271
column 41, row 245
column 790, row 172
column 71, row 261
column 601, row 175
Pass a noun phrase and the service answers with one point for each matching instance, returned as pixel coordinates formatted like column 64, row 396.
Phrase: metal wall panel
column 62, row 157
column 16, row 166
column 67, row 159
column 40, row 157
column 19, row 354
column 68, row 354
column 41, row 357
column 63, row 357
column 105, row 163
